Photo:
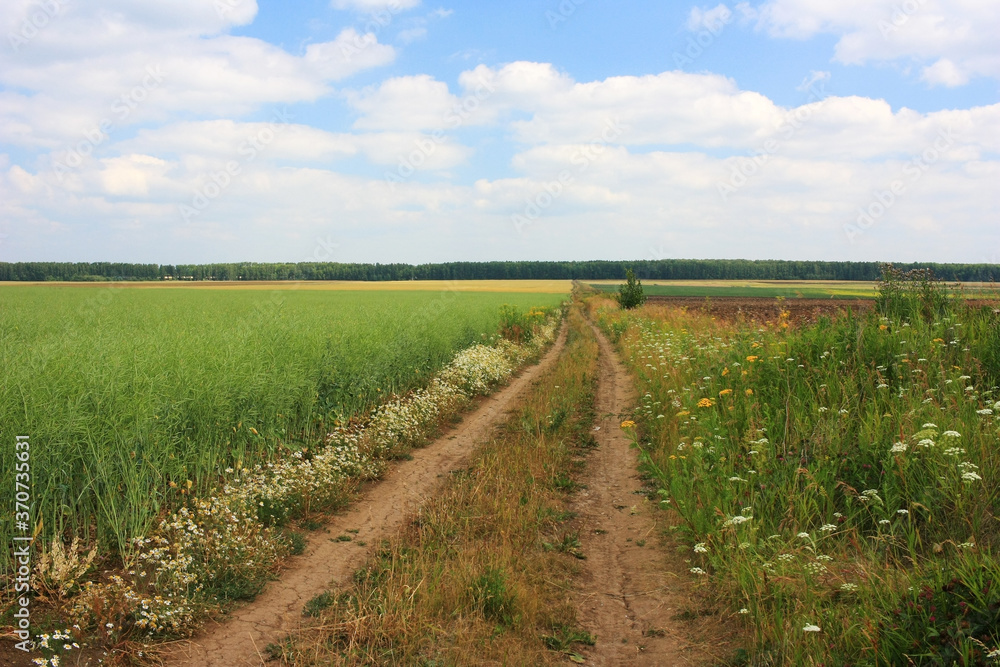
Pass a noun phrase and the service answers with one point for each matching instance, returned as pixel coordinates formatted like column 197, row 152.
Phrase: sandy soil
column 382, row 509
column 633, row 598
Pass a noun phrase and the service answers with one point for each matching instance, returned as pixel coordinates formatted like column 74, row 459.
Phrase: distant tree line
column 665, row 269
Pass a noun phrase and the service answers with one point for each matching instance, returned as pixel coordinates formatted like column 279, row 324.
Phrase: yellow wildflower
column 752, row 358
column 725, row 392
column 706, row 403
column 628, row 423
column 749, row 392
column 725, row 371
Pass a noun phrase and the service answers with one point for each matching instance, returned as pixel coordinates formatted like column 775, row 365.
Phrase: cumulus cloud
column 957, row 36
column 129, row 63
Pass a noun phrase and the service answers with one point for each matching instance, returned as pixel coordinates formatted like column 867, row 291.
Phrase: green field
column 123, row 391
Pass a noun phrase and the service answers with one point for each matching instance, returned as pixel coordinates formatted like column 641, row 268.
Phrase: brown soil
column 761, row 309
column 634, row 599
column 380, row 511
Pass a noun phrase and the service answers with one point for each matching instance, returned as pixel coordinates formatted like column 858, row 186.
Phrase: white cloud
column 374, row 5
column 709, row 19
column 945, row 72
column 129, row 63
column 959, row 36
column 403, row 103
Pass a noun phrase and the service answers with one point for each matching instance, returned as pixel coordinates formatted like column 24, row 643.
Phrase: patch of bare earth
column 327, row 562
column 760, row 309
column 636, row 600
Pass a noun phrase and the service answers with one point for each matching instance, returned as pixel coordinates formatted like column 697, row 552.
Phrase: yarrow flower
column 811, row 628
column 700, row 548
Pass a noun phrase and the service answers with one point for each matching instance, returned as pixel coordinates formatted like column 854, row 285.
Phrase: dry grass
column 481, row 573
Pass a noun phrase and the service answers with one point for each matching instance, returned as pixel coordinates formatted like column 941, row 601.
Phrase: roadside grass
column 481, row 574
column 836, row 484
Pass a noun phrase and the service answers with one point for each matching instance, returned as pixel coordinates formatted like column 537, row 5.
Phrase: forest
column 663, row 269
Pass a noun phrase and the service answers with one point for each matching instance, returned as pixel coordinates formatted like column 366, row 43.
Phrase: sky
column 197, row 131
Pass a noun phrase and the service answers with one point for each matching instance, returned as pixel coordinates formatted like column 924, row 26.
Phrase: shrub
column 630, row 294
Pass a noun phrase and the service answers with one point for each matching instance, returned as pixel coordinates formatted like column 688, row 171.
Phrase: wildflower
column 899, row 448
column 737, row 520
column 951, row 434
column 903, row 512
column 966, row 545
column 725, row 392
column 811, row 628
column 883, row 522
column 749, row 392
column 928, row 425
column 706, row 403
column 747, row 611
column 970, row 476
column 985, row 412
column 848, row 588
column 752, row 358
column 828, row 528
column 700, row 548
column 697, row 570
column 628, row 423
column 804, row 536
column 822, row 409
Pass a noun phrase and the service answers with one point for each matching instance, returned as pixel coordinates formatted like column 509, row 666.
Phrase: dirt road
column 241, row 639
column 632, row 596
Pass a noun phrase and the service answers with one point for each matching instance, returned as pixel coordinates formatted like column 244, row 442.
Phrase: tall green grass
column 123, row 391
column 837, row 484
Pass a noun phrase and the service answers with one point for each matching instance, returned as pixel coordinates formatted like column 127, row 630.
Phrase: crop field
column 835, row 484
column 137, row 398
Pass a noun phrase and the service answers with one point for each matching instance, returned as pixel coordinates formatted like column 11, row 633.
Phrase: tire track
column 382, row 509
column 630, row 592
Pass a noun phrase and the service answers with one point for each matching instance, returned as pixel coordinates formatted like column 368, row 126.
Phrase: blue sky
column 374, row 130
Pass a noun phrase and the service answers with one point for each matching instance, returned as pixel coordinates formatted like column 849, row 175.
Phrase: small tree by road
column 630, row 294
